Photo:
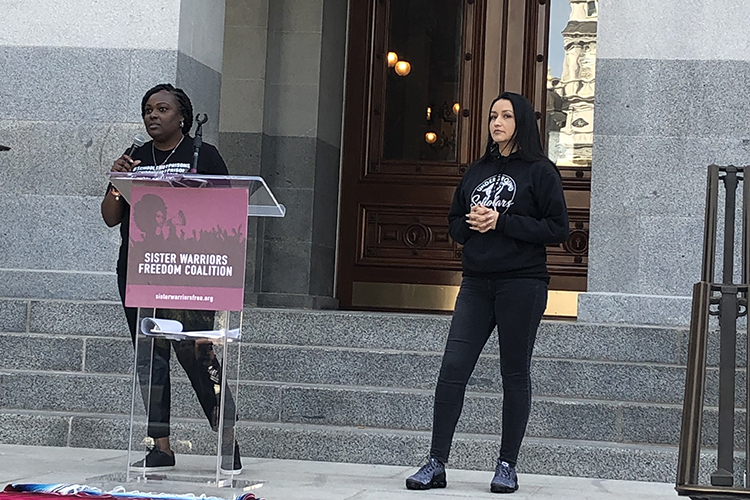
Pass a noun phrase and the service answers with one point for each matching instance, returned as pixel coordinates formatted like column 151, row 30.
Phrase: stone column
column 671, row 98
column 73, row 74
column 242, row 106
column 293, row 80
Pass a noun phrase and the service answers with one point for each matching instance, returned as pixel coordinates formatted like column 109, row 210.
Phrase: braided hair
column 186, row 107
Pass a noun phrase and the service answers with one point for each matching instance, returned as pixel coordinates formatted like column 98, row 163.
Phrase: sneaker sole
column 416, row 485
column 228, row 472
column 152, row 469
column 502, row 489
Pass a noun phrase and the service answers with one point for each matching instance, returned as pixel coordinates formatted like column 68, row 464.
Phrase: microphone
column 138, row 141
column 197, row 141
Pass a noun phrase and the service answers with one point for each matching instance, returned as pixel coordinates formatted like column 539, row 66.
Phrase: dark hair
column 526, row 137
column 186, row 107
column 144, row 211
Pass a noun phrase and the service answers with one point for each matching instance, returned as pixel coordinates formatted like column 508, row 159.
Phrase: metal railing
column 728, row 301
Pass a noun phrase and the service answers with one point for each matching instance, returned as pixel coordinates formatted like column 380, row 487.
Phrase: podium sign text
column 187, row 248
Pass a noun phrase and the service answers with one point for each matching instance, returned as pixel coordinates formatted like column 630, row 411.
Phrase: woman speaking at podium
column 168, row 116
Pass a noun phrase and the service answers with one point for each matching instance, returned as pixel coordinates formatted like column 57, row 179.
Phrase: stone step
column 626, row 381
column 357, row 387
column 418, row 370
column 589, row 420
column 583, row 379
column 359, row 445
column 412, row 332
column 372, row 330
column 64, row 317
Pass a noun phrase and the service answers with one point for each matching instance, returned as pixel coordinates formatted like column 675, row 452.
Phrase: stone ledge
column 629, row 309
column 77, row 286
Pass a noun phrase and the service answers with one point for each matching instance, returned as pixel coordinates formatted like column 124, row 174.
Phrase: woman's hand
column 112, row 202
column 482, row 219
column 124, row 164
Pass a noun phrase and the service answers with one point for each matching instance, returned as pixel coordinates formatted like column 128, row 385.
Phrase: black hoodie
column 530, row 200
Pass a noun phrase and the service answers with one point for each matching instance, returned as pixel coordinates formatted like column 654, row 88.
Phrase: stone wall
column 70, row 91
column 282, row 100
column 671, row 99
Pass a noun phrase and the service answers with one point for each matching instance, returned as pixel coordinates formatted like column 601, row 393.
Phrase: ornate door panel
column 420, row 77
column 410, row 133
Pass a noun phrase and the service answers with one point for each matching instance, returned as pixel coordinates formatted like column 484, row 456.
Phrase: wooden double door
column 421, row 75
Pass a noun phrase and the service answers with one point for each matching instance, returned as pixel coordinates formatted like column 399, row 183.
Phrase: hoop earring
column 182, row 124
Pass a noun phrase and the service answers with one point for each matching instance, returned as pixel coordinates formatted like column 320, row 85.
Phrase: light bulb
column 456, row 108
column 392, row 59
column 430, row 137
column 429, row 113
column 403, row 68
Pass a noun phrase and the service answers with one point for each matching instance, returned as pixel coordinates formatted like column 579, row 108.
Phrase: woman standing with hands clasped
column 507, row 207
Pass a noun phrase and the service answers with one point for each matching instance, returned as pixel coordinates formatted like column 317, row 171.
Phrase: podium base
column 201, row 484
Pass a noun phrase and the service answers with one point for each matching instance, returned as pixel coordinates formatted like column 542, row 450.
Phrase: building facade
column 362, row 115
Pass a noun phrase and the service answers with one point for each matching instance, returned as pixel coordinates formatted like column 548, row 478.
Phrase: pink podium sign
column 187, row 248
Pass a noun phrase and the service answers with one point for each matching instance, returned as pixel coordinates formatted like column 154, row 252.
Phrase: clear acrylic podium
column 261, row 202
column 204, row 342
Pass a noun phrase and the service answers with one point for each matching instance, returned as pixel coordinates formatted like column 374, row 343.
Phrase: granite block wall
column 70, row 97
column 667, row 105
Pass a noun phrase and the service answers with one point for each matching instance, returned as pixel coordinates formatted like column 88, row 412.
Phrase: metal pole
column 745, row 282
column 745, row 230
column 222, row 320
column 724, row 475
column 730, row 205
column 695, row 386
column 732, row 303
column 709, row 229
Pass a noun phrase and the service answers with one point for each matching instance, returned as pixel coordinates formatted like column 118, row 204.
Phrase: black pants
column 516, row 306
column 197, row 358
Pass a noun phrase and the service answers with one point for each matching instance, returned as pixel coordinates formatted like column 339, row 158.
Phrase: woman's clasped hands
column 482, row 219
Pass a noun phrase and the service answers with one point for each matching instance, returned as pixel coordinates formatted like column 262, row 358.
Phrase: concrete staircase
column 357, row 387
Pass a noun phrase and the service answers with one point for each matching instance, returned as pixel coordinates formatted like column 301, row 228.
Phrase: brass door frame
column 516, row 27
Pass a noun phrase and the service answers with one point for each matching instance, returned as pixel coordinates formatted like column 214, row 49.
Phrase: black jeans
column 199, row 361
column 516, row 306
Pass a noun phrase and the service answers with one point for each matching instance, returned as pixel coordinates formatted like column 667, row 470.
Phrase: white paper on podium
column 172, row 330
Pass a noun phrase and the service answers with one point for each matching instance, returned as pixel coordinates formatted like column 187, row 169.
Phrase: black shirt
column 531, row 203
column 210, row 162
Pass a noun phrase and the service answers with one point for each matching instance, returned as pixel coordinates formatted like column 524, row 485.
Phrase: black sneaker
column 231, row 468
column 430, row 475
column 505, row 480
column 156, row 459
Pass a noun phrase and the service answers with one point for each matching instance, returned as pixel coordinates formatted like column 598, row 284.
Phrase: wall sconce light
column 402, row 68
column 392, row 59
column 456, row 108
column 430, row 137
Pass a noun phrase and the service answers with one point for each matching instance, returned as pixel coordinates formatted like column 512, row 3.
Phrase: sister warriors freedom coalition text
column 190, row 264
